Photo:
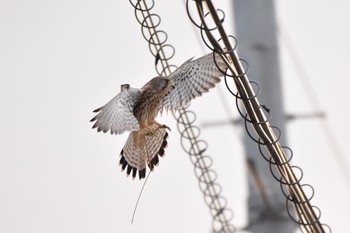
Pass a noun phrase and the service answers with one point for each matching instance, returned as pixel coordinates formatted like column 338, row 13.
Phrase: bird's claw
column 165, row 127
column 152, row 132
column 149, row 131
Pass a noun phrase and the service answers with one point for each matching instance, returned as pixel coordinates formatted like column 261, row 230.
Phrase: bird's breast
column 147, row 105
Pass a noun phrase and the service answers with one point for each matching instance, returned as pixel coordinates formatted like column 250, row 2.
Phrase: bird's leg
column 148, row 130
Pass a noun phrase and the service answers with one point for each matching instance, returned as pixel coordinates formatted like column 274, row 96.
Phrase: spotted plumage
column 135, row 110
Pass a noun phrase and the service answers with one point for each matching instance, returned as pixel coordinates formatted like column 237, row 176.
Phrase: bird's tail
column 143, row 149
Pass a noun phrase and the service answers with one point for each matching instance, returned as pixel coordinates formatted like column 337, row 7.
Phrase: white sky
column 59, row 60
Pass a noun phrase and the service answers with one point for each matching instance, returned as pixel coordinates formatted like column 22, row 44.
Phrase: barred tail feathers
column 143, row 149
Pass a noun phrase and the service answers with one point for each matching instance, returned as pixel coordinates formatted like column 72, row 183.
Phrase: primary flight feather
column 135, row 110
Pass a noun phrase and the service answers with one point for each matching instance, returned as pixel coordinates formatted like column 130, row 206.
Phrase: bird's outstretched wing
column 192, row 79
column 117, row 115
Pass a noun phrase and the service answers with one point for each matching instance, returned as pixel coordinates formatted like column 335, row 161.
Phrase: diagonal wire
column 304, row 78
column 308, row 215
column 185, row 119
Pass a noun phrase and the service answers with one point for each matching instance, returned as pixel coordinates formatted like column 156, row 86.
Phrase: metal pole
column 255, row 24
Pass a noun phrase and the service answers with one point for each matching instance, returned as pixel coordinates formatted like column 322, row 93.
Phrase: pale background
column 59, row 60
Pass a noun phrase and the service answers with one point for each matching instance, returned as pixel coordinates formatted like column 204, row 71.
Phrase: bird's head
column 162, row 84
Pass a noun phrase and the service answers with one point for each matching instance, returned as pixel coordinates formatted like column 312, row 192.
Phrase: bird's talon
column 149, row 131
column 165, row 127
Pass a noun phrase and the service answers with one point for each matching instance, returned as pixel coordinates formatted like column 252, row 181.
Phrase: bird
column 135, row 110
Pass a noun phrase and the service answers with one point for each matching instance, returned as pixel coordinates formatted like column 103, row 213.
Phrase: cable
column 267, row 136
column 310, row 91
column 190, row 142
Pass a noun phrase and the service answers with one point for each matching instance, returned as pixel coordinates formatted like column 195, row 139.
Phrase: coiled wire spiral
column 189, row 133
column 277, row 155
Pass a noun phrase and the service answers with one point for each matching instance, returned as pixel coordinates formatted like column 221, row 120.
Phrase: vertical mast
column 255, row 24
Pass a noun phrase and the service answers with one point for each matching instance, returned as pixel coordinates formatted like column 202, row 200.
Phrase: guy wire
column 315, row 102
column 307, row 215
column 185, row 118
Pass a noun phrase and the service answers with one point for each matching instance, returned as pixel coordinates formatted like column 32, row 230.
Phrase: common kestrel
column 135, row 110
